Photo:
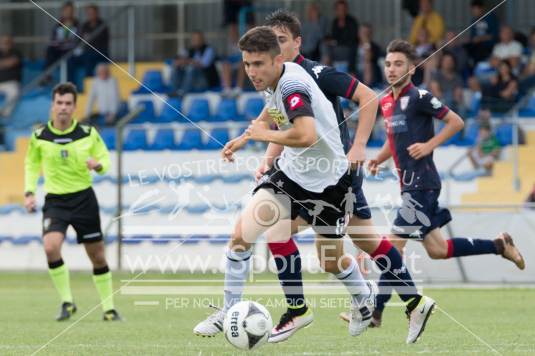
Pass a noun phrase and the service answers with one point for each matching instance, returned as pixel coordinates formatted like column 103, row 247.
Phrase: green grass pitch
column 503, row 318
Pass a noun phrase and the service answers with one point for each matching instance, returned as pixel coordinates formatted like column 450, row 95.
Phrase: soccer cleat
column 289, row 324
column 212, row 325
column 66, row 311
column 376, row 318
column 418, row 318
column 111, row 315
column 509, row 251
column 361, row 315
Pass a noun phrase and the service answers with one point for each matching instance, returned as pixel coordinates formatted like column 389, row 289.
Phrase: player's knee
column 52, row 251
column 437, row 253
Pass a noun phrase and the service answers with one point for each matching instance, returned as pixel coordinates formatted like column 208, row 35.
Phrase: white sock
column 354, row 282
column 236, row 271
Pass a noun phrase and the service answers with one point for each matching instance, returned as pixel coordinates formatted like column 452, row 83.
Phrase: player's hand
column 260, row 171
column 227, row 153
column 92, row 164
column 356, row 156
column 30, row 204
column 373, row 167
column 257, row 129
column 419, row 150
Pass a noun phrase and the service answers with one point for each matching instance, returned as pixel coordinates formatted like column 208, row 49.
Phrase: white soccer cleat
column 361, row 315
column 212, row 325
column 418, row 318
column 288, row 325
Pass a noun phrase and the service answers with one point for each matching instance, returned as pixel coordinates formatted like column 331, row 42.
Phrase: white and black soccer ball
column 247, row 325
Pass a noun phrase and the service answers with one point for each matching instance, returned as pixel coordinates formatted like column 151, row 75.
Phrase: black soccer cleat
column 66, row 311
column 111, row 315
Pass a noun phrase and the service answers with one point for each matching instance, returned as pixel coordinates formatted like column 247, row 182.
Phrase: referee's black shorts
column 79, row 209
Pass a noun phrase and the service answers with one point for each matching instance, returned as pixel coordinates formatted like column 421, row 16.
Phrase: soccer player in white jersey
column 307, row 184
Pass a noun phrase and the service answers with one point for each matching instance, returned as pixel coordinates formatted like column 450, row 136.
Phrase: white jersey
column 316, row 167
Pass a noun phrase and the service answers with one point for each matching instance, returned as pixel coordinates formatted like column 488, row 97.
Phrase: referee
column 67, row 152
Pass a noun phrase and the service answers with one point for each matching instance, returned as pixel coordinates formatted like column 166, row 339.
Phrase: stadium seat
column 253, row 108
column 504, row 134
column 108, row 136
column 152, row 79
column 529, row 109
column 135, row 140
column 471, row 132
column 163, row 140
column 30, row 110
column 219, row 138
column 169, row 111
column 226, row 110
column 191, row 139
column 147, row 115
column 199, row 110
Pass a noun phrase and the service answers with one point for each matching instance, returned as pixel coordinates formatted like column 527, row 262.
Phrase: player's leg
column 102, row 278
column 346, row 270
column 439, row 248
column 58, row 271
column 267, row 212
column 288, row 261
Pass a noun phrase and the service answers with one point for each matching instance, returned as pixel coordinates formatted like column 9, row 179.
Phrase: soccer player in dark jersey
column 335, row 85
column 67, row 152
column 408, row 116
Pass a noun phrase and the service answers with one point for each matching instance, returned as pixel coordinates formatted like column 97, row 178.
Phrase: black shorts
column 323, row 211
column 419, row 214
column 79, row 209
column 360, row 206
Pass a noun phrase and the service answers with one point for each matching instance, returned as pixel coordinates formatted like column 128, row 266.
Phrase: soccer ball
column 247, row 325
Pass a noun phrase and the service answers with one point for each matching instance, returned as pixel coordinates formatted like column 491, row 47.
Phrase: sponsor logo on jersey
column 295, row 101
column 317, row 70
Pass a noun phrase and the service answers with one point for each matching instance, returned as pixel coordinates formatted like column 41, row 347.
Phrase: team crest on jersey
column 317, row 70
column 277, row 116
column 386, row 106
column 295, row 101
column 404, row 102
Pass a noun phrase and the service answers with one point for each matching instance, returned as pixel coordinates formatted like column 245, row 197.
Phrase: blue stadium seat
column 529, row 109
column 471, row 131
column 199, row 110
column 30, row 110
column 135, row 140
column 226, row 110
column 191, row 139
column 169, row 111
column 108, row 136
column 219, row 138
column 504, row 134
column 152, row 79
column 147, row 115
column 253, row 108
column 163, row 140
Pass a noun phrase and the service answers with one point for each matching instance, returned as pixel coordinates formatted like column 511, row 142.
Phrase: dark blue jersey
column 409, row 120
column 333, row 84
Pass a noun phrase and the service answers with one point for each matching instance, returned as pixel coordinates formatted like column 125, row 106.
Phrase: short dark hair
column 285, row 19
column 260, row 39
column 478, row 3
column 65, row 88
column 404, row 47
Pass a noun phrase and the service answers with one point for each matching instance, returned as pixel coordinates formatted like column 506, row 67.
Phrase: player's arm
column 382, row 156
column 100, row 156
column 299, row 111
column 431, row 106
column 341, row 84
column 32, row 167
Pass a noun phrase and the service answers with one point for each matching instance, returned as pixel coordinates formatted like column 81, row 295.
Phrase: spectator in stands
column 527, row 77
column 458, row 51
column 314, row 30
column 232, row 70
column 483, row 34
column 486, row 150
column 342, row 41
column 63, row 40
column 369, row 52
column 196, row 70
column 507, row 50
column 105, row 93
column 447, row 84
column 430, row 20
column 10, row 74
column 500, row 95
column 100, row 41
column 424, row 49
